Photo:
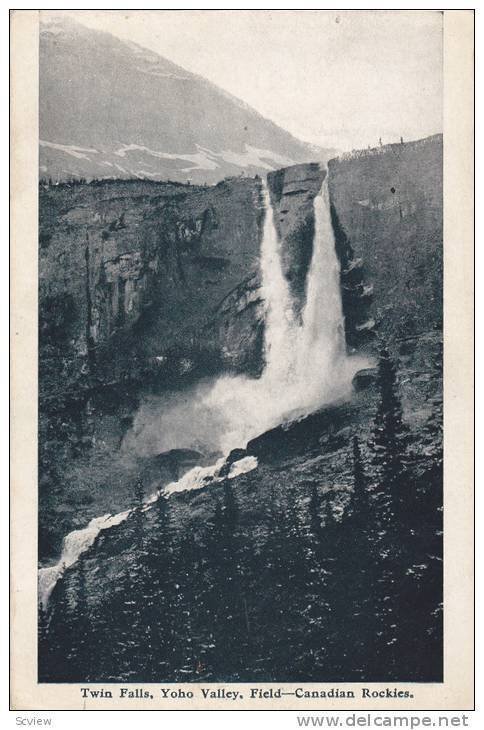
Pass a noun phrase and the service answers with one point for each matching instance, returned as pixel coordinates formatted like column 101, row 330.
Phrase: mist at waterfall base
column 306, row 365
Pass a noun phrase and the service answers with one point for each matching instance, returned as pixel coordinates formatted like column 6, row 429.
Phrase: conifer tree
column 214, row 597
column 285, row 577
column 68, row 618
column 432, row 431
column 125, row 628
column 227, row 594
column 394, row 540
column 314, row 509
column 231, row 508
column 81, row 620
column 157, row 592
column 358, row 511
column 185, row 648
column 423, row 627
column 356, row 561
column 138, row 504
column 271, row 605
column 232, row 584
column 389, row 444
column 131, row 635
column 43, row 645
column 315, row 615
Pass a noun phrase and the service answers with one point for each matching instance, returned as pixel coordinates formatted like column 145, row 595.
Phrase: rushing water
column 78, row 541
column 306, row 366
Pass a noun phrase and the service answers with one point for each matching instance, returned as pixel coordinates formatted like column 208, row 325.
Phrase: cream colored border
column 457, row 690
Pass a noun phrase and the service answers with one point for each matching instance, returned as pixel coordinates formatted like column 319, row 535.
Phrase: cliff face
column 142, row 286
column 292, row 192
column 147, row 286
column 132, row 273
column 387, row 203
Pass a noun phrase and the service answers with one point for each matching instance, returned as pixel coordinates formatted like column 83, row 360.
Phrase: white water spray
column 306, row 361
column 78, row 541
column 306, row 366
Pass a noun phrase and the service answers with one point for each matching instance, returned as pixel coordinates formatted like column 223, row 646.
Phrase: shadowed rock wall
column 146, row 286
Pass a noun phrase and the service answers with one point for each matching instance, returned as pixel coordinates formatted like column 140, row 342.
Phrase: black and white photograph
column 240, row 459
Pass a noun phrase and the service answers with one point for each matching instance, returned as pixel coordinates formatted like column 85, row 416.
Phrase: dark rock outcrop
column 292, row 191
column 238, row 327
column 365, row 378
column 135, row 273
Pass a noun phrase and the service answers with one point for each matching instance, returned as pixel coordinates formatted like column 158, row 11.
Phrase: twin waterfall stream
column 306, row 366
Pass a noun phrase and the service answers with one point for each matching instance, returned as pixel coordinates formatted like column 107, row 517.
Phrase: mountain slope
column 109, row 108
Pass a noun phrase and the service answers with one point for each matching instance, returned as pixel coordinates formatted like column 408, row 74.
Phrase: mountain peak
column 110, row 108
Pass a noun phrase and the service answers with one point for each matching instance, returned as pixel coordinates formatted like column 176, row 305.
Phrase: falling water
column 306, row 366
column 78, row 541
column 323, row 371
column 279, row 313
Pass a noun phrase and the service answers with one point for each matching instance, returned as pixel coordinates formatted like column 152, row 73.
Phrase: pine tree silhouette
column 271, row 605
column 44, row 648
column 394, row 542
column 138, row 504
column 335, row 584
column 82, row 621
column 130, row 631
column 432, row 432
column 227, row 594
column 157, row 593
column 125, row 628
column 315, row 664
column 314, row 509
column 358, row 512
column 389, row 444
column 424, row 607
column 214, row 592
column 69, row 626
column 356, row 561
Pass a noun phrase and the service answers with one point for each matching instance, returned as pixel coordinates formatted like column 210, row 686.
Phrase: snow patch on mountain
column 200, row 159
column 255, row 157
column 70, row 149
column 158, row 115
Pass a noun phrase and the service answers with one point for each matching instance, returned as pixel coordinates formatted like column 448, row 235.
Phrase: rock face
column 133, row 273
column 387, row 203
column 238, row 327
column 292, row 191
column 147, row 286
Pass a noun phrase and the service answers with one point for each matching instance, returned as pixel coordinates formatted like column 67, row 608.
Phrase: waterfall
column 279, row 313
column 306, row 366
column 322, row 367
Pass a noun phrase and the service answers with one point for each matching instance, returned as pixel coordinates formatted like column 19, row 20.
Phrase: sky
column 338, row 79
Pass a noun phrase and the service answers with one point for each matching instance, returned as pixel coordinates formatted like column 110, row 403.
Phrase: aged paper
column 213, row 420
